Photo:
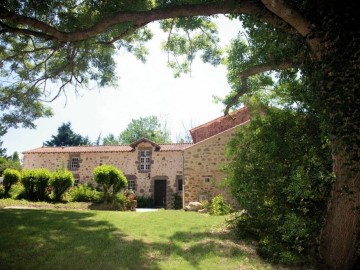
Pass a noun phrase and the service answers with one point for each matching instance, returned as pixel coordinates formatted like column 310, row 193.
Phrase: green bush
column 281, row 175
column 219, row 207
column 145, row 201
column 60, row 182
column 2, row 192
column 176, row 201
column 36, row 183
column 110, row 178
column 42, row 184
column 10, row 177
column 122, row 202
column 28, row 180
column 17, row 192
column 84, row 193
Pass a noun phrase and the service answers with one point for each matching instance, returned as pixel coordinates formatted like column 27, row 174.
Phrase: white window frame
column 74, row 163
column 207, row 179
column 145, row 160
column 132, row 185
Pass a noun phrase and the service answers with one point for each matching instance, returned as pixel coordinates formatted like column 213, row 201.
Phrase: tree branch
column 297, row 21
column 244, row 75
column 141, row 18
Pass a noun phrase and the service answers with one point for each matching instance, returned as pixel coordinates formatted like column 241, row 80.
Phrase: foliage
column 17, row 192
column 60, row 182
column 176, row 201
column 122, row 202
column 149, row 127
column 84, row 193
column 36, row 183
column 188, row 35
column 109, row 177
column 3, row 131
column 73, row 43
column 281, row 176
column 10, row 177
column 2, row 192
column 145, row 201
column 9, row 163
column 67, row 137
column 219, row 207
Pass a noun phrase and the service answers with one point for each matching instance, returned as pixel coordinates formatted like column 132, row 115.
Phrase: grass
column 84, row 239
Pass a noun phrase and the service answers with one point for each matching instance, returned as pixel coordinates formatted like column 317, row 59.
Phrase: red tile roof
column 102, row 148
column 220, row 124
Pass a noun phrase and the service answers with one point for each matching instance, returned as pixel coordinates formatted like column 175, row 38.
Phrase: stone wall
column 201, row 168
column 164, row 165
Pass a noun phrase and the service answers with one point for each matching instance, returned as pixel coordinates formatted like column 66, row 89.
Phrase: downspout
column 183, row 181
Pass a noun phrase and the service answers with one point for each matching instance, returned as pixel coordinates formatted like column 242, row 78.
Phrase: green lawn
column 84, row 239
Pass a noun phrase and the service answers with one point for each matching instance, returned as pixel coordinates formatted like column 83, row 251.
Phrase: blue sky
column 142, row 90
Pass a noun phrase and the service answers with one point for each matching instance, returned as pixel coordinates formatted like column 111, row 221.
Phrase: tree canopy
column 67, row 137
column 48, row 45
column 149, row 127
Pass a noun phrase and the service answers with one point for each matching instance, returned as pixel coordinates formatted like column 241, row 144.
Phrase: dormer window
column 145, row 160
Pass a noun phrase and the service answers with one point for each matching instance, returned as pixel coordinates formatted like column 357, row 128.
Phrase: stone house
column 157, row 170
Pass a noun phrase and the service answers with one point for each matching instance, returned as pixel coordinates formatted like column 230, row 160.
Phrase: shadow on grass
column 37, row 239
column 40, row 239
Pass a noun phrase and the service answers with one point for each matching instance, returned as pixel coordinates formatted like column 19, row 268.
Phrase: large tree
column 67, row 137
column 72, row 42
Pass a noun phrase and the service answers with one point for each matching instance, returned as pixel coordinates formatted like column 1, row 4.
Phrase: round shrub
column 36, row 182
column 10, row 177
column 109, row 177
column 60, row 182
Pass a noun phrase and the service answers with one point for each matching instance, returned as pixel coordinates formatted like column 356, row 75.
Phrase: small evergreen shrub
column 219, row 207
column 10, row 177
column 84, row 193
column 176, row 201
column 36, row 183
column 60, row 182
column 28, row 180
column 145, row 201
column 110, row 178
column 43, row 177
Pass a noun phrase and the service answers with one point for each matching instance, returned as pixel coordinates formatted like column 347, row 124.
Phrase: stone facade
column 157, row 170
column 202, row 162
column 165, row 163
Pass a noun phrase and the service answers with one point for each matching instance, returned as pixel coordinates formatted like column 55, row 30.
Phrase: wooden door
column 160, row 193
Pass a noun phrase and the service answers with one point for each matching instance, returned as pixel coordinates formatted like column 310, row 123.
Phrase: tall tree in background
column 149, row 127
column 72, row 43
column 67, row 137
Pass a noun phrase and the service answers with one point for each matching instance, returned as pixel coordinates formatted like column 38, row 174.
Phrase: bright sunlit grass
column 166, row 239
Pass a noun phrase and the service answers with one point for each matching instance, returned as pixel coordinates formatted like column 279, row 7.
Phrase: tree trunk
column 339, row 237
column 340, row 104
